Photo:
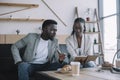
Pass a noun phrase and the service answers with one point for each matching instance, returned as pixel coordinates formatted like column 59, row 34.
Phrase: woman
column 79, row 44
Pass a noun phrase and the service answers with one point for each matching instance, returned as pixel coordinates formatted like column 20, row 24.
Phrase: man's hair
column 48, row 22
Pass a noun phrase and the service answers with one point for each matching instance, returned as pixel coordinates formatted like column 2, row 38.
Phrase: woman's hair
column 80, row 20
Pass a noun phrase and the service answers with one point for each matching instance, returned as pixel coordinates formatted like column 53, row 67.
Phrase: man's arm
column 70, row 49
column 57, row 56
column 62, row 56
column 16, row 47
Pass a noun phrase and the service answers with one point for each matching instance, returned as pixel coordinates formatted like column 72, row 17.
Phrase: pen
column 59, row 52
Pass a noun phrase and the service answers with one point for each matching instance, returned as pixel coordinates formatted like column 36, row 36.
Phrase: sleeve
column 56, row 54
column 18, row 45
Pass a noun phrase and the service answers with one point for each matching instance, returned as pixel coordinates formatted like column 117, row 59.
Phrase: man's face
column 51, row 31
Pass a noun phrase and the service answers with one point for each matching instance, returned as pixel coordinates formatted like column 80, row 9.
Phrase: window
column 109, row 21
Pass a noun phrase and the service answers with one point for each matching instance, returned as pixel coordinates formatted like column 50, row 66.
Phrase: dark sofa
column 8, row 70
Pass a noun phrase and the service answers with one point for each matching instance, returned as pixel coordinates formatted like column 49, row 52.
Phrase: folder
column 84, row 59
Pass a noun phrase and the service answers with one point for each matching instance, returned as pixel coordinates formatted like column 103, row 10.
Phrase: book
column 84, row 59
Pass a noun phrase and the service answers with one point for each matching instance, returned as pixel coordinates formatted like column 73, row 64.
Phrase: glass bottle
column 87, row 13
column 93, row 29
column 95, row 41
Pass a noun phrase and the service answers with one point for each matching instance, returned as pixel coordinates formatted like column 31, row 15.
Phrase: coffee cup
column 75, row 68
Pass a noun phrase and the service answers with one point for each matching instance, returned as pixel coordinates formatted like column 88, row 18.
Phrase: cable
column 113, row 68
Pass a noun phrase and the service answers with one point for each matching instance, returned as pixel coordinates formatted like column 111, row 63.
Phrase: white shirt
column 41, row 53
column 78, row 50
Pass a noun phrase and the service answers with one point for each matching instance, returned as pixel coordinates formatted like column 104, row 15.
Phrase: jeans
column 89, row 64
column 27, row 69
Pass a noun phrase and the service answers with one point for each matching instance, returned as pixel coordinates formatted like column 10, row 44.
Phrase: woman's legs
column 89, row 64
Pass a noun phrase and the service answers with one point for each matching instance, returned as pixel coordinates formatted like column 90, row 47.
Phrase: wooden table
column 85, row 74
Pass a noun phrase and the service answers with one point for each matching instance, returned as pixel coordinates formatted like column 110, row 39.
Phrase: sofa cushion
column 6, row 60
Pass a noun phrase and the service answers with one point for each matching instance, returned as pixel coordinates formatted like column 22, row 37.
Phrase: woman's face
column 78, row 28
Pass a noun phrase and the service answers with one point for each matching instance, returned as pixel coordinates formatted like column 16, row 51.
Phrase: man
column 41, row 51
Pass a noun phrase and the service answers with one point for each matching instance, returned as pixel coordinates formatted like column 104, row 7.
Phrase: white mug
column 75, row 68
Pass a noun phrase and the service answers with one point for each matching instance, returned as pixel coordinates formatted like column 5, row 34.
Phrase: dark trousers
column 27, row 69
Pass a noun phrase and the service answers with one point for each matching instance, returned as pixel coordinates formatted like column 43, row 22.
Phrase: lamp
column 115, row 69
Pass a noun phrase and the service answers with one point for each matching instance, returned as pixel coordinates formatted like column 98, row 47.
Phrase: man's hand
column 18, row 62
column 61, row 57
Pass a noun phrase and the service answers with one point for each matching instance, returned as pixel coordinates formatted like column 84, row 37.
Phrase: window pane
column 110, row 29
column 109, row 7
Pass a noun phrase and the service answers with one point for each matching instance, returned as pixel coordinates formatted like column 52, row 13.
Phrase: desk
column 85, row 74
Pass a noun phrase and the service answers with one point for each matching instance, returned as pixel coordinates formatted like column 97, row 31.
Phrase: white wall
column 65, row 9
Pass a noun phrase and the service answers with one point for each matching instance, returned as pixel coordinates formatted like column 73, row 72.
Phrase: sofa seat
column 8, row 70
